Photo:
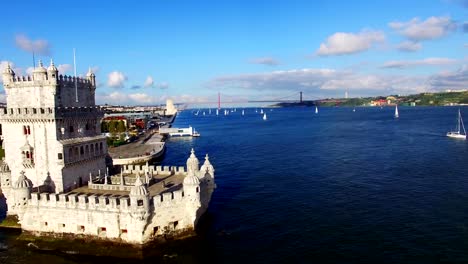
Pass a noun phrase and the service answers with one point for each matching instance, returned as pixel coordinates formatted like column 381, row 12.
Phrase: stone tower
column 50, row 129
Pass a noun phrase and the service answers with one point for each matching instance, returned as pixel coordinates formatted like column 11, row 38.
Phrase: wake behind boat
column 458, row 133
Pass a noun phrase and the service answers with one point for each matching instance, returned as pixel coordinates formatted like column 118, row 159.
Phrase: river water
column 334, row 187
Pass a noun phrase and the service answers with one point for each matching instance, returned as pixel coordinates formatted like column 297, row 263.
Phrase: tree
column 120, row 126
column 104, row 127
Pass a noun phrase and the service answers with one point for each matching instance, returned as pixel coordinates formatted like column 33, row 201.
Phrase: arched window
column 92, row 149
column 81, row 150
column 71, row 129
column 29, row 130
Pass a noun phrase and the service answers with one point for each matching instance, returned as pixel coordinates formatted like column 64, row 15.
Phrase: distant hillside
column 423, row 99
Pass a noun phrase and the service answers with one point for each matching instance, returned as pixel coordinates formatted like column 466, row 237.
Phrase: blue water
column 333, row 187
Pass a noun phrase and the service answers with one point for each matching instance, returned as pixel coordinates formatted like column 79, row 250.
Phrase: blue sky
column 145, row 52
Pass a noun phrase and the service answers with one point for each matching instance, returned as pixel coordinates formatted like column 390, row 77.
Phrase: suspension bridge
column 223, row 99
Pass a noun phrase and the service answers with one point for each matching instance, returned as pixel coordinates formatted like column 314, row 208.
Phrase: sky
column 144, row 52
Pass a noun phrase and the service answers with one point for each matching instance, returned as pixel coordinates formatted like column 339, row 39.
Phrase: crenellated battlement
column 153, row 169
column 49, row 112
column 99, row 202
column 63, row 80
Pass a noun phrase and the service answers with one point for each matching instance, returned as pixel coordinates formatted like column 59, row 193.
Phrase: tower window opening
column 72, row 129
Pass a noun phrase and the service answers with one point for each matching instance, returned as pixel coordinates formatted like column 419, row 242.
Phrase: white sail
column 264, row 117
column 458, row 134
column 217, row 111
column 316, row 109
column 396, row 111
column 242, row 112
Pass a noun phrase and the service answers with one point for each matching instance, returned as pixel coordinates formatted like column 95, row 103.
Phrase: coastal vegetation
column 421, row 99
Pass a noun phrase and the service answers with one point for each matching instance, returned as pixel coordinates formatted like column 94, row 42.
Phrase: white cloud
column 162, row 85
column 29, row 70
column 148, row 82
column 329, row 82
column 116, row 79
column 265, row 61
column 409, row 46
column 342, row 43
column 40, row 46
column 455, row 80
column 431, row 28
column 424, row 62
column 63, row 68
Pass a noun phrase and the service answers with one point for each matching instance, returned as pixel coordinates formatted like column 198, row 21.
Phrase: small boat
column 217, row 111
column 242, row 112
column 261, row 111
column 195, row 133
column 396, row 111
column 316, row 109
column 458, row 133
column 354, row 109
column 264, row 117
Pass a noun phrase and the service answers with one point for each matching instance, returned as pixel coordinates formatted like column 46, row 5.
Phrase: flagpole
column 76, row 84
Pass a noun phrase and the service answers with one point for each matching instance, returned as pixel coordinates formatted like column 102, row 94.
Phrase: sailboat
column 217, row 111
column 242, row 111
column 316, row 109
column 261, row 111
column 396, row 111
column 264, row 116
column 354, row 109
column 458, row 134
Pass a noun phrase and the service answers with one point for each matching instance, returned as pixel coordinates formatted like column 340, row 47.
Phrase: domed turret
column 40, row 73
column 91, row 77
column 192, row 163
column 139, row 189
column 8, row 74
column 22, row 182
column 191, row 180
column 4, row 167
column 207, row 167
column 52, row 71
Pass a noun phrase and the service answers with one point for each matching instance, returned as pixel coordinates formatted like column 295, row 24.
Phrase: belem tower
column 54, row 175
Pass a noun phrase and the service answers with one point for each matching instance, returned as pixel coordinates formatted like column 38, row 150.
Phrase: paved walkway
column 141, row 147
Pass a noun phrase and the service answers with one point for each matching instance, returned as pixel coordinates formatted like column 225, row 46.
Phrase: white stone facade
column 134, row 218
column 50, row 133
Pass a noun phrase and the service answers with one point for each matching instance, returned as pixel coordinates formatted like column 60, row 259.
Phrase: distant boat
column 217, row 111
column 242, row 112
column 316, row 109
column 354, row 109
column 264, row 117
column 396, row 111
column 261, row 111
column 255, row 110
column 203, row 112
column 458, row 134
